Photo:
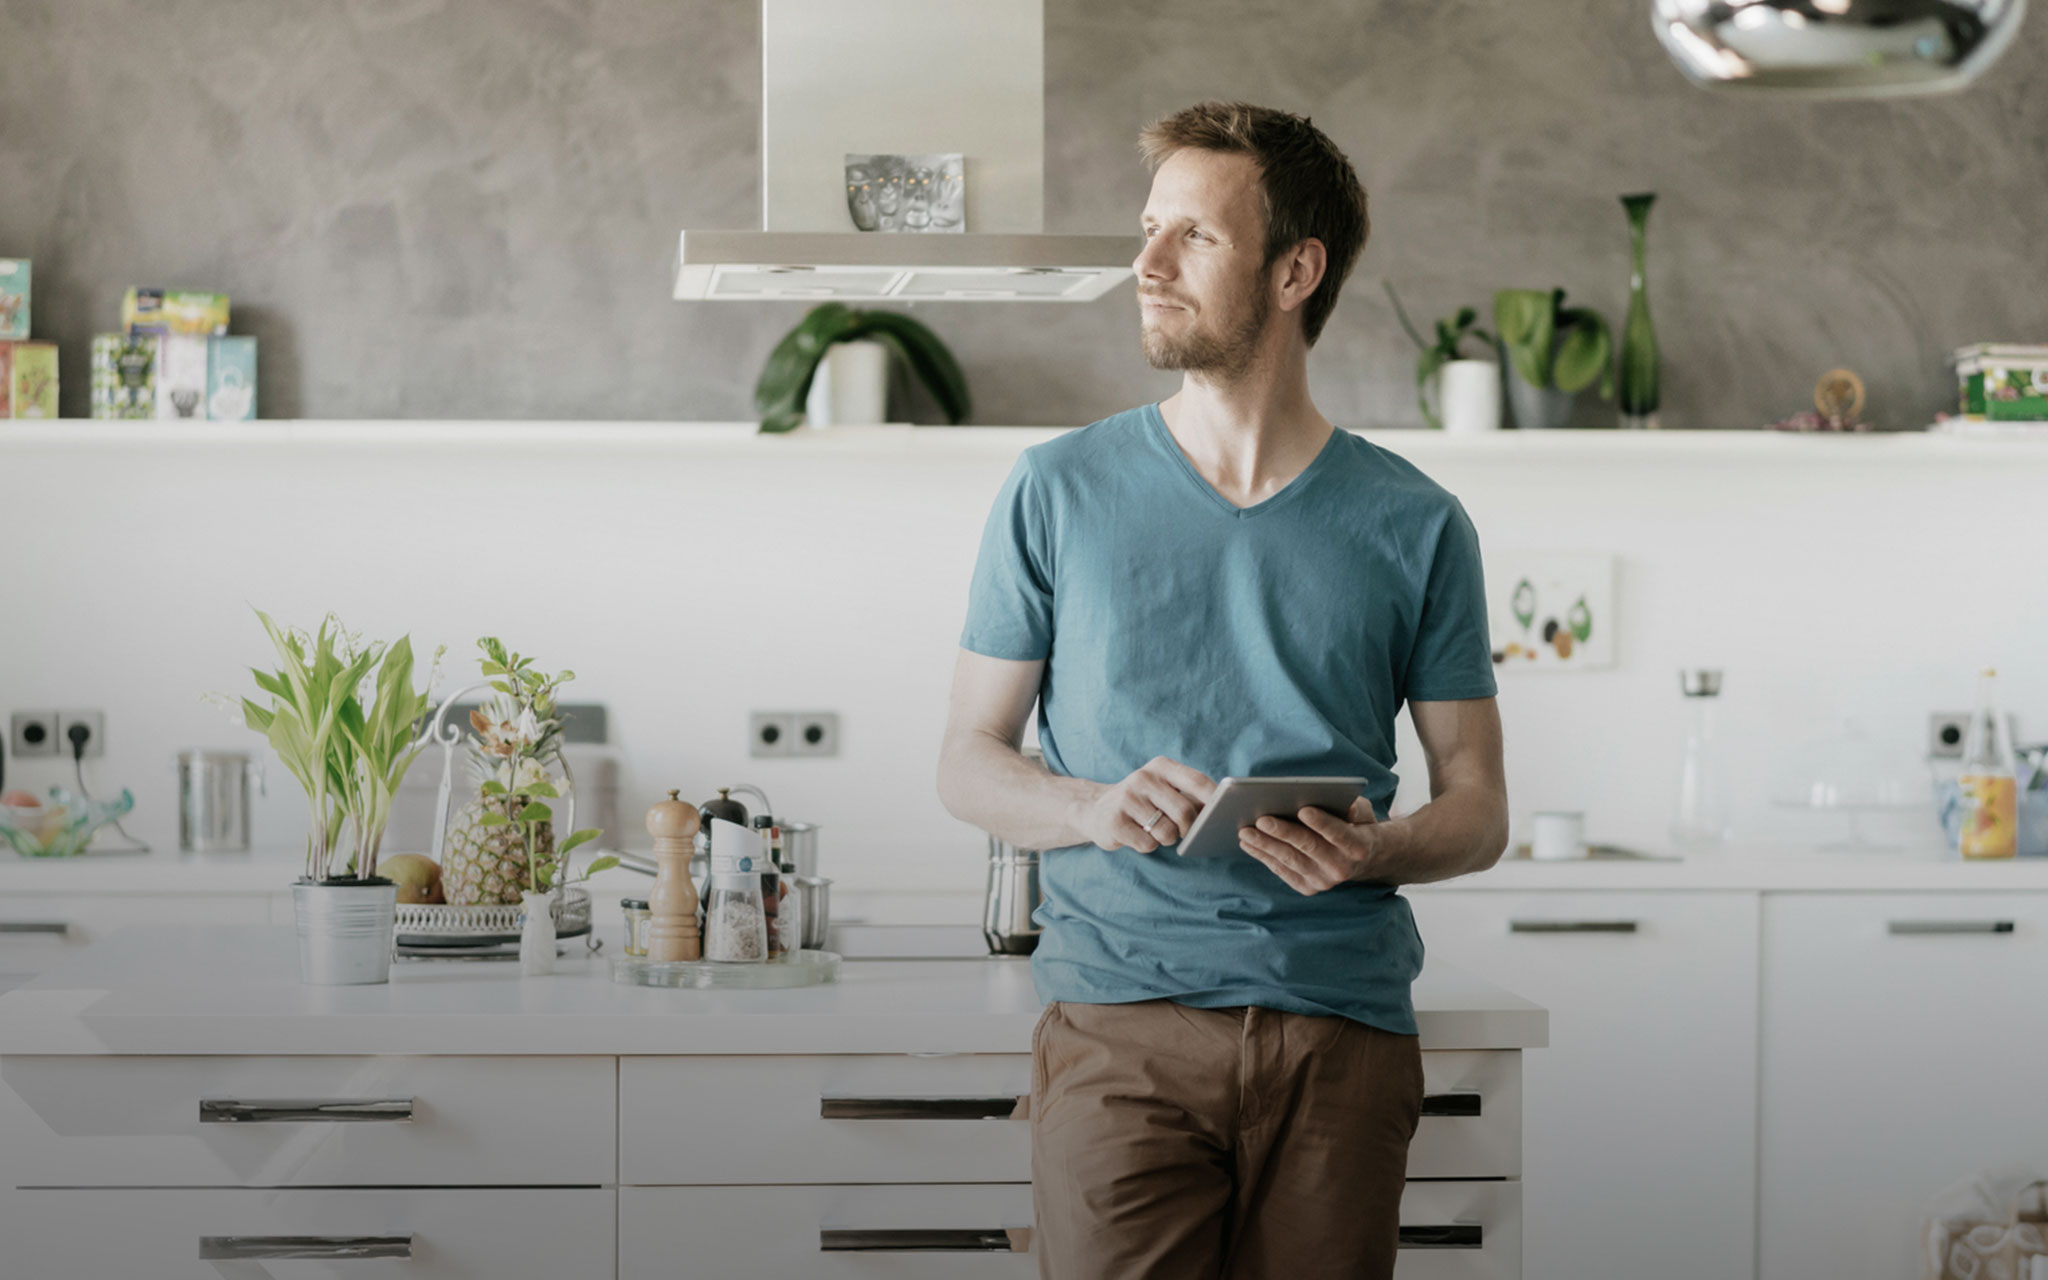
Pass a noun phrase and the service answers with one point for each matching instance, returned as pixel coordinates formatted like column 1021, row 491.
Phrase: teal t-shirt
column 1277, row 639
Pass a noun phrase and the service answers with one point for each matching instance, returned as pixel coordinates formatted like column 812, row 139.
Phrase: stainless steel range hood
column 843, row 77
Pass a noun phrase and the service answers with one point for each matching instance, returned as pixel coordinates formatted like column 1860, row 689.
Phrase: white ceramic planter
column 345, row 932
column 537, row 934
column 851, row 388
column 1469, row 391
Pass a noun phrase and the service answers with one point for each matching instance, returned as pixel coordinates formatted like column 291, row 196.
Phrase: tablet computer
column 1239, row 802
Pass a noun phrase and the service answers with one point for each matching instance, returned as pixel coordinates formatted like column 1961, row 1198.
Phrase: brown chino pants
column 1171, row 1143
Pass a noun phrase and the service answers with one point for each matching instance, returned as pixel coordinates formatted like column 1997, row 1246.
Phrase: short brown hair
column 1311, row 191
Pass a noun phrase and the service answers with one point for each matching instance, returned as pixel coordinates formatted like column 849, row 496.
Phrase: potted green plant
column 1554, row 352
column 833, row 369
column 1468, row 389
column 341, row 716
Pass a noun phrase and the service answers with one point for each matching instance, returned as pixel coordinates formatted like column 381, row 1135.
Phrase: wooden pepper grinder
column 672, row 907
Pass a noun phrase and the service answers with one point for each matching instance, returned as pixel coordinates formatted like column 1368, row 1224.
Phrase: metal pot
column 1013, row 894
column 345, row 932
column 213, row 801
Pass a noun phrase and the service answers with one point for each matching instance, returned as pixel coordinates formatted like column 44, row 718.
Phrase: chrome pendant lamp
column 1836, row 48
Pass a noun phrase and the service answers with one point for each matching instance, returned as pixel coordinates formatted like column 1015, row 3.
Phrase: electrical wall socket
column 817, row 734
column 771, row 733
column 1945, row 730
column 31, row 734
column 95, row 732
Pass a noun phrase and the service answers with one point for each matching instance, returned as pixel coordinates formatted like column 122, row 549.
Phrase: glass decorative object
column 1636, row 387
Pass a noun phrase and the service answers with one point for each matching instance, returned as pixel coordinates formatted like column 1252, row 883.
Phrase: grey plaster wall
column 466, row 208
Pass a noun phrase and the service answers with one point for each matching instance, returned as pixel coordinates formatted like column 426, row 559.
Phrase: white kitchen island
column 177, row 1104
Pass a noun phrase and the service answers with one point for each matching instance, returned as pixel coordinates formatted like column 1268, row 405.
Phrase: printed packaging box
column 181, row 377
column 124, row 376
column 6, row 380
column 2003, row 383
column 14, row 274
column 174, row 311
column 231, row 379
column 34, row 380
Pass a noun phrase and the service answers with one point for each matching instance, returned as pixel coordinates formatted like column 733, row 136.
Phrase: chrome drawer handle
column 1450, row 1104
column 299, row 1110
column 1571, row 926
column 237, row 1248
column 1948, row 926
column 1453, row 1235
column 58, row 927
column 925, row 1240
column 1009, row 1107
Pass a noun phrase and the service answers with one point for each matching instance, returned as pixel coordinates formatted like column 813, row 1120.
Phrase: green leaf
column 535, row 812
column 492, row 787
column 1526, row 320
column 584, row 836
column 786, row 378
column 1585, row 353
column 492, row 818
column 928, row 358
column 540, row 789
column 606, row 863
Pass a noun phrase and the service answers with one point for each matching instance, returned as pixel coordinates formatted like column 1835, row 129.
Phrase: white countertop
column 1753, row 867
column 163, row 989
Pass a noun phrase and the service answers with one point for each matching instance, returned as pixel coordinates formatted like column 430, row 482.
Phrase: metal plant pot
column 345, row 932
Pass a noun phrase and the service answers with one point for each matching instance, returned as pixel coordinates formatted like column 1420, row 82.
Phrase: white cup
column 1558, row 836
column 1469, row 391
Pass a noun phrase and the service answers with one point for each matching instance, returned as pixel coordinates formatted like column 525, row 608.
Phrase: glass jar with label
column 735, row 919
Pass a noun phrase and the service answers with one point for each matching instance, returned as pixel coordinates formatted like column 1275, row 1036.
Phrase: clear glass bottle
column 735, row 920
column 1699, row 821
column 1989, row 781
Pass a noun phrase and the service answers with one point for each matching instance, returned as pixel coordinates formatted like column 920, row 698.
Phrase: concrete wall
column 466, row 208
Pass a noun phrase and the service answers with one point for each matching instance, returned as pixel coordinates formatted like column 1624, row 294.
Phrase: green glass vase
column 1636, row 383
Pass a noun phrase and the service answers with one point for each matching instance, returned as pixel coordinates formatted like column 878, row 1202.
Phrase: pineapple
column 488, row 864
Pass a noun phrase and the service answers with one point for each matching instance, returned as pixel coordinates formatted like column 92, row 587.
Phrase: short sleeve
column 1009, row 603
column 1452, row 657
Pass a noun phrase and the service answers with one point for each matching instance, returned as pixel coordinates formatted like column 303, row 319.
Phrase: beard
column 1224, row 348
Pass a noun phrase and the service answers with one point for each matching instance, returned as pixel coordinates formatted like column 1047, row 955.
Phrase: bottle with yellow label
column 1989, row 781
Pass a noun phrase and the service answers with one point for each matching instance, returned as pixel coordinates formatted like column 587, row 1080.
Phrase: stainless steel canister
column 1013, row 894
column 213, row 801
column 800, row 845
column 816, row 894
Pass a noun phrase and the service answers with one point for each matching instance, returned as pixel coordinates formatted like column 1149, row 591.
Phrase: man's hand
column 1321, row 851
column 1153, row 807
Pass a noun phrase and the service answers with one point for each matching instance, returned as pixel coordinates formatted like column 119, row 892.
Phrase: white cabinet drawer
column 1451, row 1231
column 1471, row 1116
column 310, row 1121
column 1902, row 1042
column 200, row 1235
column 850, row 1118
column 1639, row 1151
column 821, row 1233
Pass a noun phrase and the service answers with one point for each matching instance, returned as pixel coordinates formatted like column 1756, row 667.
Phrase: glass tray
column 804, row 969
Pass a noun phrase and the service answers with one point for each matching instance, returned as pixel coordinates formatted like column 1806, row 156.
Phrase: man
column 1226, row 1075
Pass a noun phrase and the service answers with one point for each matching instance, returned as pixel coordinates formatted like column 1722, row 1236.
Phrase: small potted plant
column 502, row 843
column 833, row 369
column 1554, row 352
column 1468, row 389
column 341, row 717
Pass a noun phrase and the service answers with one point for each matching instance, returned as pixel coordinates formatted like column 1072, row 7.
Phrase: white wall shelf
column 1913, row 447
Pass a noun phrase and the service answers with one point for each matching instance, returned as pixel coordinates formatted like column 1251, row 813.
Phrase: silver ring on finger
column 1155, row 822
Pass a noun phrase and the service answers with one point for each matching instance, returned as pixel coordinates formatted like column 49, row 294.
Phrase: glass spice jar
column 639, row 918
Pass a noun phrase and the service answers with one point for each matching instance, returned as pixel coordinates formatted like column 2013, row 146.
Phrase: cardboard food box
column 14, row 275
column 6, row 380
column 231, row 379
column 124, row 376
column 2003, row 383
column 34, row 380
column 174, row 311
column 181, row 377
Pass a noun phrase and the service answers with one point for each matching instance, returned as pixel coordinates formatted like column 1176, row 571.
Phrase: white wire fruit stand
column 484, row 930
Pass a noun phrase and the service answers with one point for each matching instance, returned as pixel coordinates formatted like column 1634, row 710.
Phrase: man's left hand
column 1319, row 852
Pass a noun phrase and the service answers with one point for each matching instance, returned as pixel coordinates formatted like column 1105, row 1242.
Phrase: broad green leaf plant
column 1552, row 345
column 786, row 380
column 522, row 795
column 1450, row 337
column 348, row 754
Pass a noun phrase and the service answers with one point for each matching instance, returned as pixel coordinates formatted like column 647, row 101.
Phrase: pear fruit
column 418, row 877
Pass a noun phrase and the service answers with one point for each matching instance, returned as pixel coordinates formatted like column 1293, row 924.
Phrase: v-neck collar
column 1164, row 435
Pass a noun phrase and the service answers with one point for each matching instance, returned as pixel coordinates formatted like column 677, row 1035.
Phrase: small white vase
column 1469, row 391
column 851, row 388
column 537, row 935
